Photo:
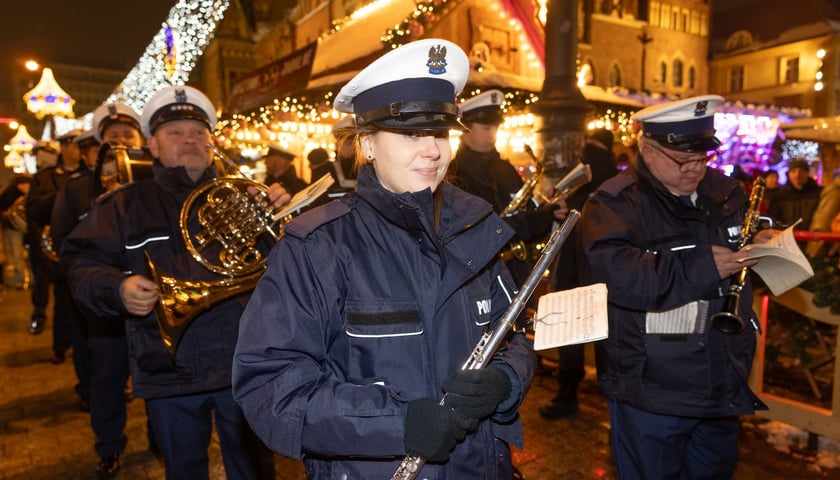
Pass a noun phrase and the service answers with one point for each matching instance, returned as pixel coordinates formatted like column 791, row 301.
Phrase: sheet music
column 781, row 264
column 307, row 195
column 571, row 316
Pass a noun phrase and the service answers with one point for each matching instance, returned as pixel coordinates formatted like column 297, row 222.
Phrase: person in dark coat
column 598, row 155
column 479, row 169
column 39, row 203
column 663, row 238
column 110, row 259
column 280, row 168
column 798, row 198
column 372, row 303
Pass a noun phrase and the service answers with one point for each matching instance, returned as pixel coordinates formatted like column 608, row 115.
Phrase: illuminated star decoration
column 187, row 31
column 170, row 61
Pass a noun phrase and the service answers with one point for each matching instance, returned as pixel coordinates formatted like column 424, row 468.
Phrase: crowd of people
column 347, row 352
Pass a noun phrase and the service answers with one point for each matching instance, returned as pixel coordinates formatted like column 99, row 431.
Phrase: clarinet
column 728, row 320
column 492, row 340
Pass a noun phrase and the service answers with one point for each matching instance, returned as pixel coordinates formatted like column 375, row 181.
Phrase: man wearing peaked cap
column 117, row 124
column 101, row 354
column 280, row 168
column 479, row 168
column 486, row 108
column 39, row 204
column 385, row 290
column 177, row 103
column 663, row 236
column 191, row 381
column 686, row 125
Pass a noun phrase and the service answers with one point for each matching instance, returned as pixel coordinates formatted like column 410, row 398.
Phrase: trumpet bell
column 181, row 301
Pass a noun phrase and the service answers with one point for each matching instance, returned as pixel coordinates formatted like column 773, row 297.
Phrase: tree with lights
column 173, row 52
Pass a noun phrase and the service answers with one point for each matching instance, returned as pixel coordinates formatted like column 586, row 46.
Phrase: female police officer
column 372, row 303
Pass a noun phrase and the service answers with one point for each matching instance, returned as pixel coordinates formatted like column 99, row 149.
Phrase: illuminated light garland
column 48, row 98
column 171, row 56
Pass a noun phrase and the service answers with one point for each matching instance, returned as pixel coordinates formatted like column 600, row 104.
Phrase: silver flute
column 492, row 340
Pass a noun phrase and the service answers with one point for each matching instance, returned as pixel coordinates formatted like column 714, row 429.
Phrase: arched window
column 614, row 79
column 692, row 78
column 663, row 73
column 678, row 73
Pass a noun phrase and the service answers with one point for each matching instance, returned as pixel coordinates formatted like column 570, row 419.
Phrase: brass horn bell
column 180, row 301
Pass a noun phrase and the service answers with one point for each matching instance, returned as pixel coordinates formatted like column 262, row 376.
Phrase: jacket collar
column 410, row 211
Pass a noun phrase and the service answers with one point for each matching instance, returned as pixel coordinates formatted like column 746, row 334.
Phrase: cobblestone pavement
column 45, row 435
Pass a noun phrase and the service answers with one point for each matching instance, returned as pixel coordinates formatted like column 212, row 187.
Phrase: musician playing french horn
column 372, row 303
column 664, row 236
column 479, row 169
column 105, row 258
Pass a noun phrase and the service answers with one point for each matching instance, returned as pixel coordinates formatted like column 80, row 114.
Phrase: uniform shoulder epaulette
column 310, row 220
column 613, row 186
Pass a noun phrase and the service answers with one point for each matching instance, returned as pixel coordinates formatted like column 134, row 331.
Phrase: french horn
column 235, row 230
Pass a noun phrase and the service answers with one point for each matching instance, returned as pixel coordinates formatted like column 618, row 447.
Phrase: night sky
column 97, row 33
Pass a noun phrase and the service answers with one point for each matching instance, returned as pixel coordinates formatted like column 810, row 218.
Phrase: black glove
column 476, row 393
column 432, row 430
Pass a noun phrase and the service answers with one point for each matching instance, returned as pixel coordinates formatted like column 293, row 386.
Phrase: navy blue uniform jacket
column 365, row 307
column 655, row 254
column 109, row 244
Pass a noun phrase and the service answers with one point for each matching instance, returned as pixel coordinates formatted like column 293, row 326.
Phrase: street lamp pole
column 562, row 109
column 645, row 39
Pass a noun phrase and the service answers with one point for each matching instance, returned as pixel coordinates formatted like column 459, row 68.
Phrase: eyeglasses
column 685, row 165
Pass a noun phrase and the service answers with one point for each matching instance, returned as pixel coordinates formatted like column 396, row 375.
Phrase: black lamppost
column 645, row 39
column 561, row 111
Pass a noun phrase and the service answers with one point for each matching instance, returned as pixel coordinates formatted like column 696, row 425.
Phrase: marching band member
column 188, row 392
column 373, row 302
column 662, row 236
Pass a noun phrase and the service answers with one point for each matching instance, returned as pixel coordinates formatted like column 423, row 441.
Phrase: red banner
column 285, row 76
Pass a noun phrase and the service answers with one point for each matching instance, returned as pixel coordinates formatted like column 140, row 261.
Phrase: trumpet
column 491, row 341
column 576, row 178
column 728, row 320
column 237, row 231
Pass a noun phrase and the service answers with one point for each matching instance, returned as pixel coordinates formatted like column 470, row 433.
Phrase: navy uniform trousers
column 183, row 427
column 665, row 447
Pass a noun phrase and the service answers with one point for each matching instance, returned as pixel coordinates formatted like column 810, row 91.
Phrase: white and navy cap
column 486, row 108
column 277, row 149
column 108, row 114
column 410, row 88
column 179, row 102
column 687, row 125
column 86, row 139
column 67, row 137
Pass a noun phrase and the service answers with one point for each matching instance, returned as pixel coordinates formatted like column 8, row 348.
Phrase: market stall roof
column 356, row 38
column 817, row 129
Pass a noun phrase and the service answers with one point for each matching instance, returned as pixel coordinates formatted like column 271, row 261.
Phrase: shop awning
column 357, row 38
column 817, row 129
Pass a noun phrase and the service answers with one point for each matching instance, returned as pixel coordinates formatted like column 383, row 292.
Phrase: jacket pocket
column 384, row 340
column 147, row 348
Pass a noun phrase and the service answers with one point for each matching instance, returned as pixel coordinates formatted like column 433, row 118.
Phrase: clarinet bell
column 728, row 322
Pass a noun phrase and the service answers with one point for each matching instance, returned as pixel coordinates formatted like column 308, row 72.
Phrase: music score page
column 571, row 316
